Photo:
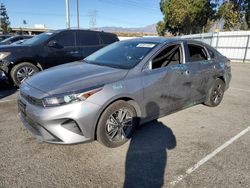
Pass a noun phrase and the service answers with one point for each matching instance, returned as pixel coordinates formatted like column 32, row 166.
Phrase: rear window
column 86, row 38
column 197, row 53
column 108, row 38
column 211, row 53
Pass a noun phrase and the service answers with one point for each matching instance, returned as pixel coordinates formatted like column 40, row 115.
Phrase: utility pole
column 67, row 14
column 77, row 14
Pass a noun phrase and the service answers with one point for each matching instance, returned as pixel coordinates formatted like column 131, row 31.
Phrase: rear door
column 200, row 67
column 87, row 42
column 108, row 38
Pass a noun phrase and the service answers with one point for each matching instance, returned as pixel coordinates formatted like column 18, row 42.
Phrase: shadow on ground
column 146, row 158
column 6, row 89
column 147, row 155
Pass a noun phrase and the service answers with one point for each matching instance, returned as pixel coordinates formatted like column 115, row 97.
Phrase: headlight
column 68, row 98
column 4, row 55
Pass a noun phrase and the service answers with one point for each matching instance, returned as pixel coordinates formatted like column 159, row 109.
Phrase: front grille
column 31, row 100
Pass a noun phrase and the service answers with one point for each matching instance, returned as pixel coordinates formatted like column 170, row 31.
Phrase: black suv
column 49, row 49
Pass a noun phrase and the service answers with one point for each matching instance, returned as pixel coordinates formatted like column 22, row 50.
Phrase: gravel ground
column 158, row 153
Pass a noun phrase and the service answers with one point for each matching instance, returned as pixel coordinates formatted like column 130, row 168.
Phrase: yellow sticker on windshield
column 145, row 45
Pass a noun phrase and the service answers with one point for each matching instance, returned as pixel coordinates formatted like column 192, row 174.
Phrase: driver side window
column 171, row 55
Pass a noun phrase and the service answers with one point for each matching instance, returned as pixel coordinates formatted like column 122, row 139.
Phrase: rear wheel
column 116, row 124
column 22, row 71
column 216, row 93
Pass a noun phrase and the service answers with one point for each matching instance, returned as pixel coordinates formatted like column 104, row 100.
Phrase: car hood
column 11, row 48
column 74, row 77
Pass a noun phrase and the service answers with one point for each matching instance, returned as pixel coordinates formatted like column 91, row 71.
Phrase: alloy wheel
column 24, row 73
column 119, row 125
column 217, row 93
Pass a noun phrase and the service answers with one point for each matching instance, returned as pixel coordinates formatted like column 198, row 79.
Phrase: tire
column 22, row 71
column 113, row 129
column 216, row 93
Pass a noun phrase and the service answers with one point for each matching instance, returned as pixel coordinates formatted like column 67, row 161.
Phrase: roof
column 154, row 39
column 79, row 29
column 164, row 40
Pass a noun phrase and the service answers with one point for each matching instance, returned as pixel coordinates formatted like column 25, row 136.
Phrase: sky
column 119, row 13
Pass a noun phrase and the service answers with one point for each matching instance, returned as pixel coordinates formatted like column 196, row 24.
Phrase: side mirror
column 53, row 44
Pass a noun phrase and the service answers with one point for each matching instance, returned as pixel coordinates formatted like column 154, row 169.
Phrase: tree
column 4, row 19
column 248, row 15
column 160, row 28
column 186, row 17
column 229, row 15
column 232, row 13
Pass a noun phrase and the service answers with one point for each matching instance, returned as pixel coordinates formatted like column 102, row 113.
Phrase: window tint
column 85, row 38
column 169, row 56
column 108, row 38
column 196, row 53
column 66, row 38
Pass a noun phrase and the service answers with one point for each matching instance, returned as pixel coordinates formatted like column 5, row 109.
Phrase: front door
column 167, row 82
column 65, row 50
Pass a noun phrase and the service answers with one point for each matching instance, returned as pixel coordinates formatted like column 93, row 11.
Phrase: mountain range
column 147, row 29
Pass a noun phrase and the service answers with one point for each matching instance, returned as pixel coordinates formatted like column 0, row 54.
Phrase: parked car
column 50, row 49
column 18, row 42
column 3, row 37
column 106, row 95
column 13, row 39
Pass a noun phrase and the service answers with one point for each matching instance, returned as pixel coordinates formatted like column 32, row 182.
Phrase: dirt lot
column 185, row 149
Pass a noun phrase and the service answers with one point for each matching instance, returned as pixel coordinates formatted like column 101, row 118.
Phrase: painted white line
column 208, row 157
column 3, row 101
column 246, row 90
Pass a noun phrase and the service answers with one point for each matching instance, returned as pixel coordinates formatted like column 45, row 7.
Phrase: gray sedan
column 125, row 84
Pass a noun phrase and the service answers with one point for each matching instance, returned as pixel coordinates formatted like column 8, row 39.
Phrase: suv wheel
column 116, row 124
column 22, row 71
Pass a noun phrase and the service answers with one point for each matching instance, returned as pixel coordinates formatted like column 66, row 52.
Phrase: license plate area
column 22, row 107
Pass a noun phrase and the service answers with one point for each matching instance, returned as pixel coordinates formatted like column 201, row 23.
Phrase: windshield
column 7, row 40
column 38, row 39
column 124, row 54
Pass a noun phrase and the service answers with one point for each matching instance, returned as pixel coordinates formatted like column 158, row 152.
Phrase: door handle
column 186, row 72
column 74, row 52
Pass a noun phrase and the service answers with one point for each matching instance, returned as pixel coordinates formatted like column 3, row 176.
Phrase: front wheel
column 216, row 93
column 116, row 124
column 22, row 71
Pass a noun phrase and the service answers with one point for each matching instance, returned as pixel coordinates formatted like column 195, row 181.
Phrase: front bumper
column 2, row 76
column 68, row 124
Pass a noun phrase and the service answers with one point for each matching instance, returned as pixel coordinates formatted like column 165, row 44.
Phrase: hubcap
column 24, row 73
column 217, row 93
column 119, row 125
